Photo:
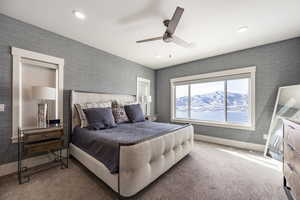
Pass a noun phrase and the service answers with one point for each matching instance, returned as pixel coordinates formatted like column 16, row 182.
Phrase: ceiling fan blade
column 175, row 20
column 181, row 42
column 149, row 40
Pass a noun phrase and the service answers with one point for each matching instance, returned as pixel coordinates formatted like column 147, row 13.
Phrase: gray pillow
column 99, row 118
column 134, row 113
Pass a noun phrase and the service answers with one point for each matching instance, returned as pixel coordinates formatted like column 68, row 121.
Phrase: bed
column 122, row 158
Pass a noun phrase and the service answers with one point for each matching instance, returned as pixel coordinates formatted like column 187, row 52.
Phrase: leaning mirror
column 287, row 106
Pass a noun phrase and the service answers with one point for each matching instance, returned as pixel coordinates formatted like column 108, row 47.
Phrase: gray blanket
column 103, row 145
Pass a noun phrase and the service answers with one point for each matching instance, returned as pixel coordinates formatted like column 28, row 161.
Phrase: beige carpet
column 210, row 172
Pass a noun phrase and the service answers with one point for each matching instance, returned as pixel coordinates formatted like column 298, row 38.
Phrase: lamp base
column 42, row 115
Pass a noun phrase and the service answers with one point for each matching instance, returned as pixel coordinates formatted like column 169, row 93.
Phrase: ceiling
column 114, row 25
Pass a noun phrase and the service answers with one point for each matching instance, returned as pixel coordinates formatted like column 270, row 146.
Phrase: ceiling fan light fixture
column 242, row 29
column 78, row 14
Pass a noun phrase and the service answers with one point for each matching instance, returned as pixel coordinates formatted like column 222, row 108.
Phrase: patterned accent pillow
column 80, row 107
column 119, row 112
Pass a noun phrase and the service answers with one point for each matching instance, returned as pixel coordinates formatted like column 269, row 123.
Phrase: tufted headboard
column 78, row 97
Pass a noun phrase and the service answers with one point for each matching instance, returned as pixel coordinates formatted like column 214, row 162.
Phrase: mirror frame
column 274, row 114
column 18, row 57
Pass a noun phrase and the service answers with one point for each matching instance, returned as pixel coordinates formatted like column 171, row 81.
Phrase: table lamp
column 43, row 94
column 148, row 101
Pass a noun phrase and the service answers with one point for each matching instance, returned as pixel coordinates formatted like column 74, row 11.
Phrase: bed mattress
column 104, row 145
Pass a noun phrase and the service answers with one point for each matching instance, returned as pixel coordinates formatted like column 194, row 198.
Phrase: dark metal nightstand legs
column 33, row 142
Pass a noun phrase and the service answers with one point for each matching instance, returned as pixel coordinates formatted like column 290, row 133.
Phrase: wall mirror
column 32, row 69
column 287, row 106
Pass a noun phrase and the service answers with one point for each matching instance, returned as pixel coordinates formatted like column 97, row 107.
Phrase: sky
column 236, row 86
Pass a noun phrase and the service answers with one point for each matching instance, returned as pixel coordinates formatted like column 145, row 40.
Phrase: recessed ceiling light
column 242, row 29
column 78, row 14
column 157, row 56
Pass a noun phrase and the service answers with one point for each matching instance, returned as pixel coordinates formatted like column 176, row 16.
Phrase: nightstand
column 34, row 141
column 151, row 117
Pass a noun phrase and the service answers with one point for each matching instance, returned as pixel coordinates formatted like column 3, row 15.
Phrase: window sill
column 215, row 124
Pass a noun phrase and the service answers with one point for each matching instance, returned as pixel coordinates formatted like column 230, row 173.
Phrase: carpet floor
column 210, row 172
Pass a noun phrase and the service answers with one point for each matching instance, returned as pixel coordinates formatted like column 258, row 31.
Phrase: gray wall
column 277, row 65
column 86, row 68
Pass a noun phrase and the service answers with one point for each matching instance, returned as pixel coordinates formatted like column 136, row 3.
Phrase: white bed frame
column 140, row 164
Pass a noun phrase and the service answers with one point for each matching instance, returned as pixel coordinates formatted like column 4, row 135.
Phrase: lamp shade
column 43, row 93
column 142, row 99
column 145, row 99
column 148, row 99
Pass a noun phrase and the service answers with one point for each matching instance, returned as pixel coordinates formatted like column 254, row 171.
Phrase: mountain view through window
column 219, row 101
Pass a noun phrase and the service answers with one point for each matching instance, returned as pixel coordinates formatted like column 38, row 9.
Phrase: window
column 238, row 101
column 208, row 103
column 223, row 99
column 143, row 90
column 182, row 95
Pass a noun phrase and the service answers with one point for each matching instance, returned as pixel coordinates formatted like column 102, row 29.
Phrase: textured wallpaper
column 86, row 68
column 276, row 64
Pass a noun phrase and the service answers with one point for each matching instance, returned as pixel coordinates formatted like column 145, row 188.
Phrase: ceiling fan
column 169, row 33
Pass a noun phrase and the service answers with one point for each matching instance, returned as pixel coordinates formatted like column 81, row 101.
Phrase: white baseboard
column 232, row 143
column 12, row 167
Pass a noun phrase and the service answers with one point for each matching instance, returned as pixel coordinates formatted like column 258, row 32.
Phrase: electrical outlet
column 265, row 136
column 2, row 107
